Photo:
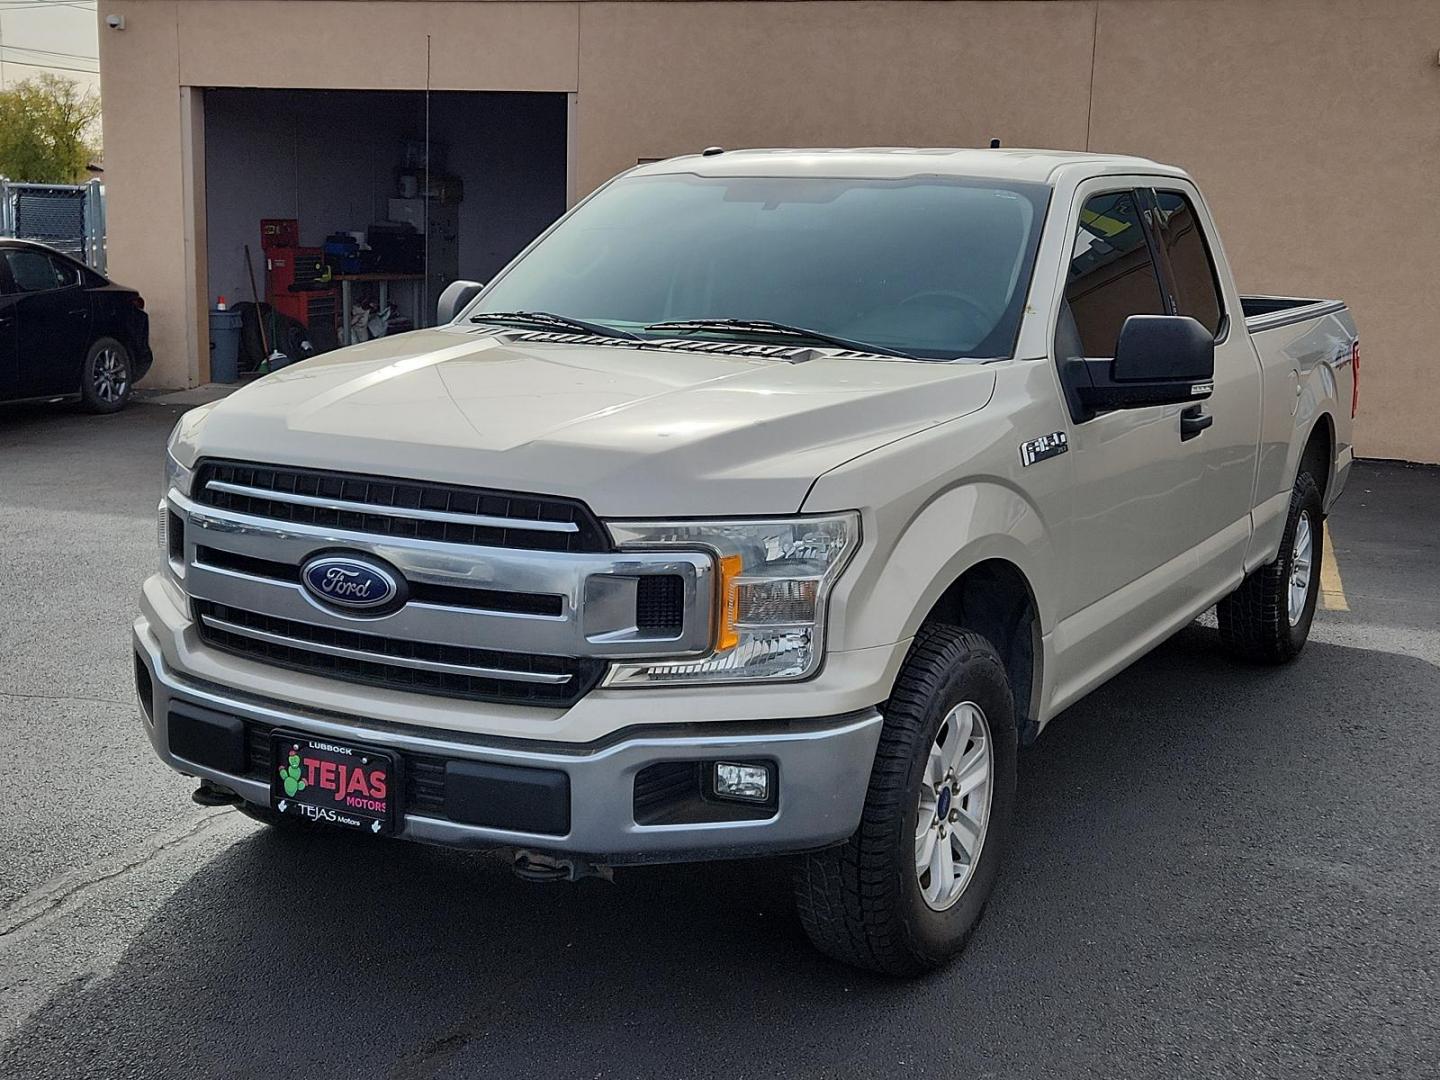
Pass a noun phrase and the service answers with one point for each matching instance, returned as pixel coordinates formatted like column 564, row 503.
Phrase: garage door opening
column 371, row 203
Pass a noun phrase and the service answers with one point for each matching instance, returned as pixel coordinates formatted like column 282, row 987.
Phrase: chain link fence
column 67, row 217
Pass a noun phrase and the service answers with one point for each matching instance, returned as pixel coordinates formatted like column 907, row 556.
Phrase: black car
column 66, row 331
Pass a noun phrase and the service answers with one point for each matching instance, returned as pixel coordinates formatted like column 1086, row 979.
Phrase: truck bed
column 1268, row 312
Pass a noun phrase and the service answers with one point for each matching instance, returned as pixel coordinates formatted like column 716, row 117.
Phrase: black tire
column 107, row 376
column 1255, row 623
column 862, row 903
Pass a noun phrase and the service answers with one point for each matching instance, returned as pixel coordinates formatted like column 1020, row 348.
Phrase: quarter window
column 1112, row 276
column 34, row 271
column 1196, row 292
column 66, row 273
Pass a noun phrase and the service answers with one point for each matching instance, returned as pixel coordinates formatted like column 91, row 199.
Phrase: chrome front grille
column 511, row 623
column 398, row 664
column 520, row 603
column 383, row 506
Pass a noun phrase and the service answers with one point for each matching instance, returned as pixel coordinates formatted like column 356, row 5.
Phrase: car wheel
column 1267, row 620
column 905, row 892
column 106, row 379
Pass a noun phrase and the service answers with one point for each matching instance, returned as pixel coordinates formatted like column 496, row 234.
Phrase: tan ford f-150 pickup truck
column 766, row 504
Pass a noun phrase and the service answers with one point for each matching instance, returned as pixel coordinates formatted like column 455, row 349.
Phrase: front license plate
column 335, row 783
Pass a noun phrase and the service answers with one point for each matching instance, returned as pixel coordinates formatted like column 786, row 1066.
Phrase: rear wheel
column 107, row 376
column 1267, row 619
column 904, row 894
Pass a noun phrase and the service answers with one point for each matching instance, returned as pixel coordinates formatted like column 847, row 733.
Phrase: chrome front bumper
column 823, row 769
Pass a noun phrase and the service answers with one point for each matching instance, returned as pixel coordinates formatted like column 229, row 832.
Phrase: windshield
column 930, row 267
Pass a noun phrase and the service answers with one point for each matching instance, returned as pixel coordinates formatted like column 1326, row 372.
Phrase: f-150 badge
column 1046, row 446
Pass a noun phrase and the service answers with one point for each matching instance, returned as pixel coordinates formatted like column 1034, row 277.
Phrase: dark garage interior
column 340, row 180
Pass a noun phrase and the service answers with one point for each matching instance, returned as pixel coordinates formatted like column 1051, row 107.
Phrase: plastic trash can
column 225, row 345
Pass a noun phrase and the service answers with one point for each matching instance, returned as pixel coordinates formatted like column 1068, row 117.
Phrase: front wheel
column 107, row 376
column 905, row 892
column 1267, row 619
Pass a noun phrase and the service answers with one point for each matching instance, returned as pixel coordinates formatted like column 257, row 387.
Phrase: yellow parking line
column 1332, row 591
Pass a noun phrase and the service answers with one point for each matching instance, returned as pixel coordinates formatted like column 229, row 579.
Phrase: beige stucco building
column 1312, row 125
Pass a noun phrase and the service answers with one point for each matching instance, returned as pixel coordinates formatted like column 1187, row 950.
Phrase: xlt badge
column 1046, row 446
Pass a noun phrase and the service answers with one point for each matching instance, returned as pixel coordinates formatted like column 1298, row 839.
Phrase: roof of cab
column 889, row 162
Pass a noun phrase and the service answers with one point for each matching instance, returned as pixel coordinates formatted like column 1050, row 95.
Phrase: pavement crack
column 36, row 905
column 426, row 1061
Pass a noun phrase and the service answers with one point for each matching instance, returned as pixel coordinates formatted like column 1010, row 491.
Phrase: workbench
column 416, row 282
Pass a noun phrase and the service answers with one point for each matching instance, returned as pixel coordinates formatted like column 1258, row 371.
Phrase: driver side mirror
column 454, row 299
column 1159, row 360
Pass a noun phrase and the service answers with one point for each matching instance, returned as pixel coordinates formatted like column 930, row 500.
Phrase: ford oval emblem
column 349, row 583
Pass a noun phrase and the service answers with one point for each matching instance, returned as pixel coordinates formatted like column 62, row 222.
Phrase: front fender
column 940, row 501
column 888, row 595
column 943, row 500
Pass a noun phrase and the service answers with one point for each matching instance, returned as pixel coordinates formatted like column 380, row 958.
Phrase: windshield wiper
column 551, row 320
column 765, row 326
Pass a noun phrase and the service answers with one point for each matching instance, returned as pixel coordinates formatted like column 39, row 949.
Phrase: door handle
column 1193, row 421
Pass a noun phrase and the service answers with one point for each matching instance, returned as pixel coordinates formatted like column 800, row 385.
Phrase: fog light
column 748, row 783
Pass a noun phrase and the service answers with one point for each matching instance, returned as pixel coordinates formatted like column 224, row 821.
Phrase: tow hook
column 208, row 794
column 532, row 866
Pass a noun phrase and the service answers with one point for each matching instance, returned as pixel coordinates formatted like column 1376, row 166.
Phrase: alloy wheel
column 954, row 805
column 1300, row 567
column 111, row 376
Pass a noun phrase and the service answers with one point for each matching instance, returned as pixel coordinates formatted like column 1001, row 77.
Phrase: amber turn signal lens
column 730, row 568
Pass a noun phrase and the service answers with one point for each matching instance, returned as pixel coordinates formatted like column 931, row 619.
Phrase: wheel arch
column 995, row 599
column 979, row 554
column 1318, row 454
column 100, row 332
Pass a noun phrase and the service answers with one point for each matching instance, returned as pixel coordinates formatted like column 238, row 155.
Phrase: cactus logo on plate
column 349, row 583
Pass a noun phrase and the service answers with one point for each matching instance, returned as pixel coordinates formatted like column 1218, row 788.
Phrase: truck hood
column 632, row 432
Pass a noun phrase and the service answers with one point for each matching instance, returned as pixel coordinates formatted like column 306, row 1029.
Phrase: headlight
column 169, row 530
column 773, row 577
column 177, row 476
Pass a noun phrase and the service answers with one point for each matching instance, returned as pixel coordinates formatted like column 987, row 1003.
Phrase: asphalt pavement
column 1217, row 870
